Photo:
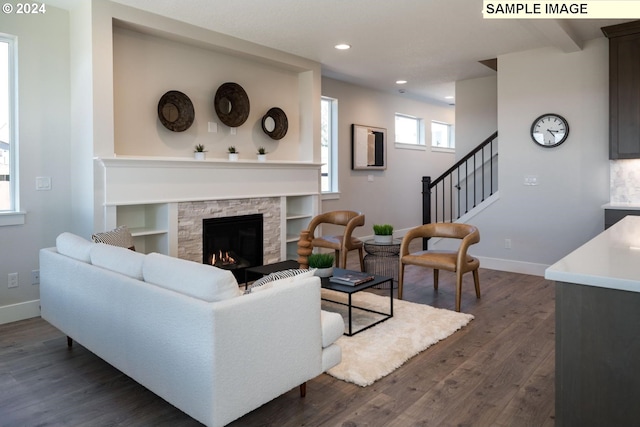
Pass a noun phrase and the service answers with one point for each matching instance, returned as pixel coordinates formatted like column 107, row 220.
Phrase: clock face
column 549, row 130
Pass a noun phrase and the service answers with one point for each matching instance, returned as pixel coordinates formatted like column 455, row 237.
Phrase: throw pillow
column 267, row 282
column 120, row 236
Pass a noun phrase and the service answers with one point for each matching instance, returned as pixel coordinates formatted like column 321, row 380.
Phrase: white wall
column 547, row 221
column 476, row 112
column 43, row 129
column 395, row 195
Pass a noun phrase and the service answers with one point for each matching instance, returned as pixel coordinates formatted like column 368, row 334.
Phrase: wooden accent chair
column 341, row 244
column 458, row 261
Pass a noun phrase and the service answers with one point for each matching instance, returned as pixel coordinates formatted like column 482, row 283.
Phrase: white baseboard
column 20, row 311
column 500, row 264
column 512, row 266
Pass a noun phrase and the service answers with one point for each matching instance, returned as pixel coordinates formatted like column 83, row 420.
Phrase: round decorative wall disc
column 232, row 104
column 275, row 123
column 175, row 111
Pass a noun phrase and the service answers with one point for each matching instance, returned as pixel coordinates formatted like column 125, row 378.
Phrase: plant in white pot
column 233, row 154
column 323, row 263
column 383, row 233
column 199, row 152
column 262, row 154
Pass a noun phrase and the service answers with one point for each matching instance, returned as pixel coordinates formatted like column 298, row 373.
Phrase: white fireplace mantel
column 140, row 180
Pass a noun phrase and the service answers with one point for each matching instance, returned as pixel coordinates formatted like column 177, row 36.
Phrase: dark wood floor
column 497, row 371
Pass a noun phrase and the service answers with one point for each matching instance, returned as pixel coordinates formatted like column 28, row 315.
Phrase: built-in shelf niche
column 149, row 225
column 299, row 211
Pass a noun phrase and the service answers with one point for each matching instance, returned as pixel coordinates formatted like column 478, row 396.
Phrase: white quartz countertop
column 609, row 260
column 622, row 206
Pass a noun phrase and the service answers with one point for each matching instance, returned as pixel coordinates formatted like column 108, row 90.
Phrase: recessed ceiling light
column 448, row 97
column 343, row 46
column 401, row 82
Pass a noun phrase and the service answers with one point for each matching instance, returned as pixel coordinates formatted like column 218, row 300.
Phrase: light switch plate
column 43, row 183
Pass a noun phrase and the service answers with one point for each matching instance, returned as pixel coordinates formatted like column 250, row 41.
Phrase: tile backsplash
column 625, row 181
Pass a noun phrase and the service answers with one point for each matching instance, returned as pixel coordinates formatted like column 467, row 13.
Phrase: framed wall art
column 368, row 147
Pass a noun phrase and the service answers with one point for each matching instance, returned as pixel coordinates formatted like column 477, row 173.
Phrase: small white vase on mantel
column 262, row 157
column 200, row 155
column 233, row 157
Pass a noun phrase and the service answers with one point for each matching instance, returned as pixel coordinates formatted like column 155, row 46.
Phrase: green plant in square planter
column 199, row 152
column 262, row 154
column 233, row 154
column 383, row 233
column 323, row 263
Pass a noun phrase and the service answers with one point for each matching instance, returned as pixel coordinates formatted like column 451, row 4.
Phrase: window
column 409, row 132
column 8, row 159
column 442, row 136
column 329, row 145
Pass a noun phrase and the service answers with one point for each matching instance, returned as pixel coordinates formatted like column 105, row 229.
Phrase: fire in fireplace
column 233, row 243
column 221, row 259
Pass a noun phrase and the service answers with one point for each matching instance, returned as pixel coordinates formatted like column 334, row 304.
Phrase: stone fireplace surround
column 191, row 214
column 185, row 191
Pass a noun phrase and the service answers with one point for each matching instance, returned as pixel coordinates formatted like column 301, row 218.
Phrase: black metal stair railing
column 463, row 186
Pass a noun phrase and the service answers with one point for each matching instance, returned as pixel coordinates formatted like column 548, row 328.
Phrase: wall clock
column 550, row 130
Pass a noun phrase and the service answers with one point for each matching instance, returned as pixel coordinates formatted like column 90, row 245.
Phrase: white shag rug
column 378, row 351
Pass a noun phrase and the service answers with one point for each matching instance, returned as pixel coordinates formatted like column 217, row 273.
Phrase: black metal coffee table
column 350, row 290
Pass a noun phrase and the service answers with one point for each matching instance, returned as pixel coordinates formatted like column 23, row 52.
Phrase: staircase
column 467, row 186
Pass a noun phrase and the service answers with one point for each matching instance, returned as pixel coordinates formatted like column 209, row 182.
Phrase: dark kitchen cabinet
column 624, row 90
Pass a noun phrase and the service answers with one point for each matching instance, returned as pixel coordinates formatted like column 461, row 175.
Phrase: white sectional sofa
column 184, row 330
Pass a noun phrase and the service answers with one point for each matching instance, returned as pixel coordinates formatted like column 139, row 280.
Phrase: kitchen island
column 598, row 329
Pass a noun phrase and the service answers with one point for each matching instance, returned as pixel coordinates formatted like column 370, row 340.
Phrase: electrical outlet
column 233, row 131
column 35, row 277
column 507, row 243
column 13, row 280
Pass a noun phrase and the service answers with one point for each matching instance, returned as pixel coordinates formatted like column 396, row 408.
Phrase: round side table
column 382, row 259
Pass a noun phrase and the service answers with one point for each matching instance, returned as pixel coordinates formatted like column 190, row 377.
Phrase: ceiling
column 429, row 43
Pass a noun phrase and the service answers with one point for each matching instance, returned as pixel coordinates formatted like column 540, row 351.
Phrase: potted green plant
column 383, row 233
column 323, row 263
column 233, row 154
column 262, row 154
column 199, row 152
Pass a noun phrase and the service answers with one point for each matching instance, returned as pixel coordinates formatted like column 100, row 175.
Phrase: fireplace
column 233, row 243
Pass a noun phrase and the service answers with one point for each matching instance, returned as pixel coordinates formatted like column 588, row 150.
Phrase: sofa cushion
column 284, row 276
column 201, row 281
column 74, row 246
column 120, row 236
column 118, row 259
